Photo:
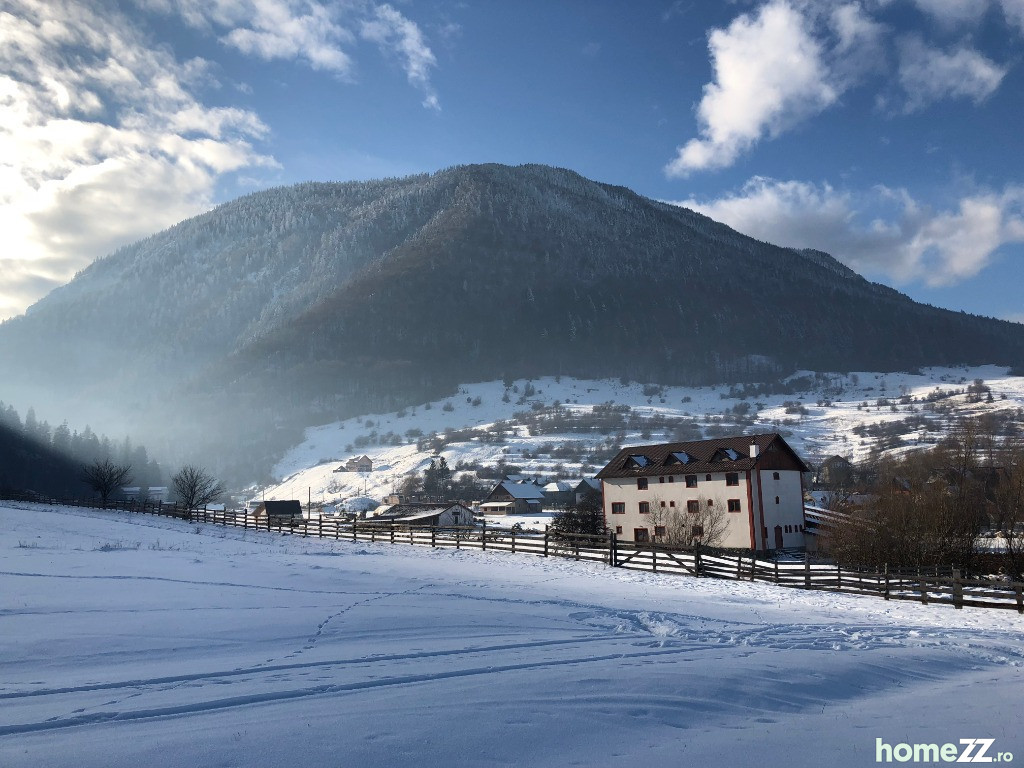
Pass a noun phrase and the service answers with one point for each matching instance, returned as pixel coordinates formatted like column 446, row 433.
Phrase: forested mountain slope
column 303, row 304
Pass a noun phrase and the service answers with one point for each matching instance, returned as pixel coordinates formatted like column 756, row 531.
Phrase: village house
column 585, row 487
column 511, row 497
column 754, row 481
column 357, row 464
column 423, row 514
column 279, row 511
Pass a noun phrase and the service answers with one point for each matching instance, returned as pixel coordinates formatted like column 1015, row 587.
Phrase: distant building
column 586, row 486
column 755, row 480
column 283, row 511
column 559, row 493
column 425, row 514
column 357, row 464
column 514, row 498
column 144, row 493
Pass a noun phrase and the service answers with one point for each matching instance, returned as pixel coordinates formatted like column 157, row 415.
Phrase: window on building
column 775, row 475
column 708, row 478
column 787, row 529
column 732, row 478
column 663, row 503
column 691, row 481
column 697, row 531
column 618, row 529
column 659, row 531
column 645, row 507
column 641, row 483
column 671, row 503
column 711, row 502
column 618, row 507
column 693, row 506
column 734, row 505
column 776, row 499
column 661, row 479
column 671, row 479
column 641, row 535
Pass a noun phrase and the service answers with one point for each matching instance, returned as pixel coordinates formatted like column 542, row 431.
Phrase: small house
column 424, row 515
column 357, row 464
column 514, row 498
column 279, row 511
column 585, row 487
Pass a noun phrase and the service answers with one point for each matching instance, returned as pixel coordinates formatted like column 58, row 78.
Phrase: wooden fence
column 938, row 588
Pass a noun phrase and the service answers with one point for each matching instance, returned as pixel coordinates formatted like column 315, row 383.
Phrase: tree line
column 932, row 507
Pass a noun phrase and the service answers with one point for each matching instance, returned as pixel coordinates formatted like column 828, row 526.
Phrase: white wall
column 789, row 510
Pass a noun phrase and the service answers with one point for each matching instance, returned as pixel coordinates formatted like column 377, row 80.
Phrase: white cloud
column 910, row 243
column 103, row 141
column 953, row 13
column 790, row 60
column 1013, row 10
column 769, row 75
column 928, row 74
column 394, row 32
column 314, row 32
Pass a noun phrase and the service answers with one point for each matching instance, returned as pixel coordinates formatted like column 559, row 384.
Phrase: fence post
column 513, row 541
column 1019, row 589
column 654, row 559
column 320, row 525
column 353, row 529
column 433, row 535
column 776, row 569
column 483, row 537
column 839, row 577
column 886, row 592
column 611, row 549
column 545, row 541
column 696, row 560
column 958, row 590
column 807, row 571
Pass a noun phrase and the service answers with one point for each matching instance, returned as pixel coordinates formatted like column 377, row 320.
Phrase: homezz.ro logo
column 968, row 751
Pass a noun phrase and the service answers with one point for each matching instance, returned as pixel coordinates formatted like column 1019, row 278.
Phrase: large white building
column 750, row 483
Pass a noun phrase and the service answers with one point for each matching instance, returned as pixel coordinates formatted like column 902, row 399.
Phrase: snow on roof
column 558, row 486
column 523, row 490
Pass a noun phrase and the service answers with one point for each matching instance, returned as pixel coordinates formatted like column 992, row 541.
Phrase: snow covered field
column 137, row 641
column 818, row 419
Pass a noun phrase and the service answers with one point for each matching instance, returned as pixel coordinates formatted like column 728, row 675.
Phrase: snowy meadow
column 129, row 640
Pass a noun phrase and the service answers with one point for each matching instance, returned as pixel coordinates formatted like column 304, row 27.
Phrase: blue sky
column 886, row 132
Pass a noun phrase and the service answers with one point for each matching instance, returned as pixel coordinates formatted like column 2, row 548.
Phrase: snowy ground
column 834, row 405
column 128, row 641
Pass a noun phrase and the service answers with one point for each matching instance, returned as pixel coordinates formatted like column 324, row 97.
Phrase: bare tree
column 104, row 477
column 195, row 487
column 1008, row 510
column 700, row 522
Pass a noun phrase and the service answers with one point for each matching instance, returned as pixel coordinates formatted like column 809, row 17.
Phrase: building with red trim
column 755, row 481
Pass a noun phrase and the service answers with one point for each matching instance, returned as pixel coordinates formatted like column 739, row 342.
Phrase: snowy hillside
column 130, row 640
column 822, row 415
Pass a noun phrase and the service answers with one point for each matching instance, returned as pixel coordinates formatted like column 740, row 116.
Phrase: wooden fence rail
column 940, row 587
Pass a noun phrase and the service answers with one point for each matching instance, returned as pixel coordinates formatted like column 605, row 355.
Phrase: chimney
column 754, row 450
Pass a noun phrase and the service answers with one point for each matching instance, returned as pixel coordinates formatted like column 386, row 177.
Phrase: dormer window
column 636, row 461
column 726, row 454
column 679, row 457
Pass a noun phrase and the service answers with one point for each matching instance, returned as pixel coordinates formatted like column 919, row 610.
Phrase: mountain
column 304, row 304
